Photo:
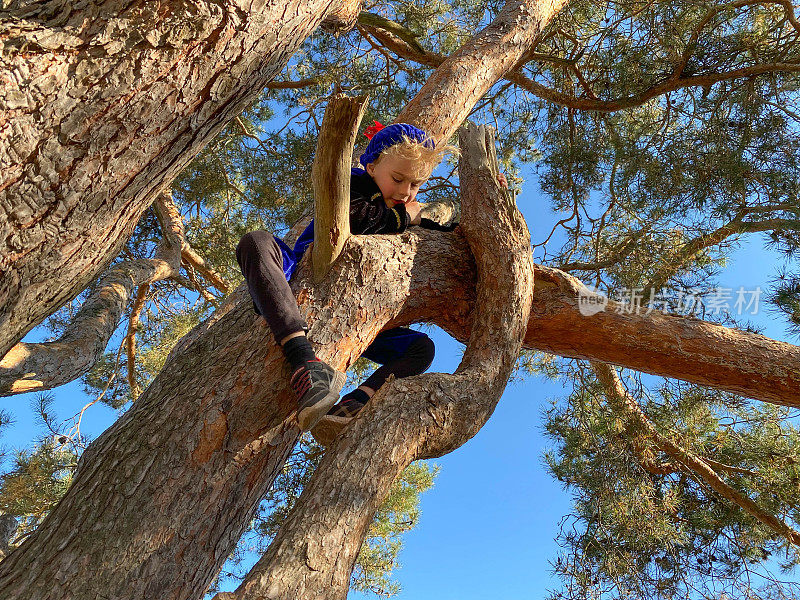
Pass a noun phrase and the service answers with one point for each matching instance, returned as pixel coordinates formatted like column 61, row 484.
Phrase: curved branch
column 696, row 466
column 27, row 367
column 219, row 416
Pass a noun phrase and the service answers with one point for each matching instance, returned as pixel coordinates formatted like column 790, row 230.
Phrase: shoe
column 328, row 428
column 317, row 387
column 337, row 418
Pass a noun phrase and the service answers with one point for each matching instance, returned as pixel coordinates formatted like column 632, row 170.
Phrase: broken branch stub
column 330, row 176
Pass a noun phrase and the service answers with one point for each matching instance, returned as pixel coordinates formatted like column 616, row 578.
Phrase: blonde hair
column 425, row 158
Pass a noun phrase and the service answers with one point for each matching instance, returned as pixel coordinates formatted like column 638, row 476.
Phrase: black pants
column 261, row 261
column 401, row 352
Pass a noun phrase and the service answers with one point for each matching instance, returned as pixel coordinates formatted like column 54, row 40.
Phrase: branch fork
column 398, row 426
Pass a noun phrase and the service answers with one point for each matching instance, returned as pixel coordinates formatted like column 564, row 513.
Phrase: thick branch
column 46, row 365
column 670, row 346
column 469, row 73
column 696, row 466
column 84, row 155
column 331, row 178
column 392, row 40
column 343, row 18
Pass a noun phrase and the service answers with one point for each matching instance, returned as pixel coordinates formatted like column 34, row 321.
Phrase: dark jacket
column 368, row 210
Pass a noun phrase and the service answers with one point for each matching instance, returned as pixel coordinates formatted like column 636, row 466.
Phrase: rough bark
column 102, row 104
column 314, row 552
column 330, row 175
column 43, row 366
column 684, row 348
column 160, row 499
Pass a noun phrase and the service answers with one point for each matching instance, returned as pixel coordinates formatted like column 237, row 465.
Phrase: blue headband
column 391, row 135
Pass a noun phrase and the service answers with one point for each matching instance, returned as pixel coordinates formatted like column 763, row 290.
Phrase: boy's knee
column 424, row 351
column 253, row 243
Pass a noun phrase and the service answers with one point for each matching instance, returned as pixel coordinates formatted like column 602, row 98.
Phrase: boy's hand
column 501, row 179
column 413, row 209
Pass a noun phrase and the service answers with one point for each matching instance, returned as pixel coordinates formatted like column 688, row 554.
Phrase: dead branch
column 330, row 175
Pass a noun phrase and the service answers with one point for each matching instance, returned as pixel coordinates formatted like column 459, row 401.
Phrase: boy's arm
column 413, row 209
column 369, row 216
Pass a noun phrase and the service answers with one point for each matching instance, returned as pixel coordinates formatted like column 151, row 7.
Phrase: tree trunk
column 313, row 554
column 160, row 499
column 102, row 104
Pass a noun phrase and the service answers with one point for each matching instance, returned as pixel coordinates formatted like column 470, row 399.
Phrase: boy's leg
column 401, row 352
column 315, row 383
column 261, row 261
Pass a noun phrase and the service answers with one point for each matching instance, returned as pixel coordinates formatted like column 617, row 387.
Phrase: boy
column 398, row 159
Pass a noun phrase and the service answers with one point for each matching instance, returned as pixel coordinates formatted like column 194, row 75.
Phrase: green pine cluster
column 646, row 526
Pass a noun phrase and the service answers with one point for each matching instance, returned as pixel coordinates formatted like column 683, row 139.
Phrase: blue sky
column 488, row 524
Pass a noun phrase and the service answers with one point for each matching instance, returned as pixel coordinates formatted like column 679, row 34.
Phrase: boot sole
column 311, row 415
column 328, row 428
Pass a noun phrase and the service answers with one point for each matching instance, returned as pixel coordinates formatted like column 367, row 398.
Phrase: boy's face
column 398, row 179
